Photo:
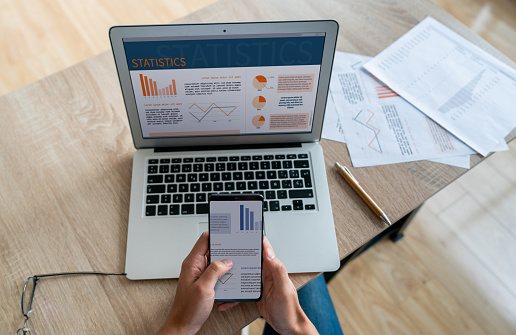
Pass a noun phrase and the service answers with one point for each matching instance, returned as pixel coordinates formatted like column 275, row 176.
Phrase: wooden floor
column 455, row 270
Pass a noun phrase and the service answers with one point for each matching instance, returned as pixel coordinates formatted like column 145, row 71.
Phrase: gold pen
column 346, row 174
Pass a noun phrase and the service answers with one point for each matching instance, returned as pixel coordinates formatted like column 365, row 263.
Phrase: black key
column 211, row 159
column 215, row 176
column 208, row 167
column 265, row 165
column 275, row 184
column 173, row 210
column 245, row 158
column 176, row 160
column 298, row 183
column 252, row 185
column 264, row 185
column 202, row 208
column 220, row 166
column 165, row 198
column 153, row 161
column 169, row 178
column 279, row 156
column 265, row 206
column 268, row 157
column 204, row 177
column 154, row 179
column 188, row 160
column 282, row 194
column 153, row 199
column 152, row 169
column 164, row 161
column 287, row 164
column 300, row 194
column 200, row 197
column 286, row 208
column 293, row 174
column 270, row 194
column 254, row 166
column 241, row 185
column 274, row 206
column 162, row 210
column 177, row 198
column 234, row 158
column 183, row 188
column 206, row 187
column 235, row 192
column 172, row 188
column 302, row 156
column 189, row 197
column 311, row 206
column 249, row 175
column 301, row 164
column 217, row 187
column 155, row 188
column 286, row 183
column 226, row 176
column 195, row 187
column 305, row 174
column 175, row 168
column 199, row 159
column 298, row 205
column 260, row 175
column 257, row 158
column 180, row 178
column 291, row 156
column 259, row 192
column 242, row 166
column 238, row 176
column 271, row 175
column 150, row 210
column 186, row 167
column 197, row 167
column 222, row 159
column 232, row 166
column 297, row 202
column 192, row 177
column 229, row 186
column 187, row 209
column 276, row 164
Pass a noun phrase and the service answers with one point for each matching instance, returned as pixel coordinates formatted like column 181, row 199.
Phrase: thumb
column 214, row 271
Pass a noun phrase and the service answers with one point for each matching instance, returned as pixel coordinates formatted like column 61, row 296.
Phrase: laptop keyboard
column 181, row 186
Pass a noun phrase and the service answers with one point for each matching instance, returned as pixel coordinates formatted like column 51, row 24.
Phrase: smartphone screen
column 236, row 233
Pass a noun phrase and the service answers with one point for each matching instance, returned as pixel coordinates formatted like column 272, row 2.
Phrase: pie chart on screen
column 258, row 120
column 259, row 102
column 259, row 82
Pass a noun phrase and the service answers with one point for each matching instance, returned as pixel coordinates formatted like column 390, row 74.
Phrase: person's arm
column 195, row 293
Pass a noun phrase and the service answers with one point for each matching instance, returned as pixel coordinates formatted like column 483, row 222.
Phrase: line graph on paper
column 214, row 112
column 365, row 118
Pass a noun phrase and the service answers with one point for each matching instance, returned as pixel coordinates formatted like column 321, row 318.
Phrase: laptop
column 226, row 108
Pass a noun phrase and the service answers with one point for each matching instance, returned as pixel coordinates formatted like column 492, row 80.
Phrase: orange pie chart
column 259, row 102
column 258, row 120
column 259, row 82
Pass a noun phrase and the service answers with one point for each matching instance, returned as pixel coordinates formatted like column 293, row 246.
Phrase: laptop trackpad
column 203, row 226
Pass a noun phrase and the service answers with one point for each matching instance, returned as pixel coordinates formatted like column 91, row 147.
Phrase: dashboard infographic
column 225, row 86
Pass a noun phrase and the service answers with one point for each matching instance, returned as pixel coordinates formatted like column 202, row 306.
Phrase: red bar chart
column 150, row 87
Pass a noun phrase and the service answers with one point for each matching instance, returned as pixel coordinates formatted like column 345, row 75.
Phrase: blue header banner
column 220, row 53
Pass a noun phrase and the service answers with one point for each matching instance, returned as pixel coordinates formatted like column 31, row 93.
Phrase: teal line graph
column 373, row 129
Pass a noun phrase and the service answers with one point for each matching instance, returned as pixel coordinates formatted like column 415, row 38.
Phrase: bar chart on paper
column 247, row 219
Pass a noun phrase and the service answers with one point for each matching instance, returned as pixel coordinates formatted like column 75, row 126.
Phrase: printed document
column 458, row 85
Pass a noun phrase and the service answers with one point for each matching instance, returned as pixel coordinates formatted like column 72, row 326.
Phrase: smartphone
column 236, row 233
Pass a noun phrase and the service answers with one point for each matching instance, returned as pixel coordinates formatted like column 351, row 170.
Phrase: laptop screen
column 220, row 85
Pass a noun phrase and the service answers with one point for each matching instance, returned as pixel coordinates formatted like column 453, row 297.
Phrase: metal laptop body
column 304, row 240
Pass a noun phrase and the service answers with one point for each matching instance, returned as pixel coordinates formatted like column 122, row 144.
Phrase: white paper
column 332, row 128
column 458, row 85
column 381, row 127
column 458, row 161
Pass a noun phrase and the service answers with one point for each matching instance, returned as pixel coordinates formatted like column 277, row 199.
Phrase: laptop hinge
column 230, row 147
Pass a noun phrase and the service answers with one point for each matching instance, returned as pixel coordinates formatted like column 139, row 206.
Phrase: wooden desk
column 65, row 171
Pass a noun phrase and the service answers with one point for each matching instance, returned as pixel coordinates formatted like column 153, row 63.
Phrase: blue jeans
column 317, row 305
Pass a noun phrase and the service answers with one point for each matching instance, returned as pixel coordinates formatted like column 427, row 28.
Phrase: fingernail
column 228, row 262
column 270, row 254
